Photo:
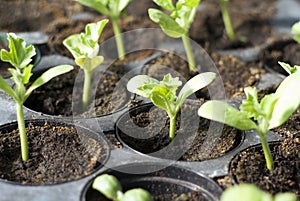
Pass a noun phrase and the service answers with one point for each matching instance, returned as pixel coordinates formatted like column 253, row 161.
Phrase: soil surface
column 249, row 167
column 192, row 141
column 56, row 96
column 57, row 154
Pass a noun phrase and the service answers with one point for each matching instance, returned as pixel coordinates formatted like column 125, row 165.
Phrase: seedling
column 111, row 188
column 163, row 93
column 85, row 48
column 296, row 31
column 20, row 56
column 178, row 23
column 273, row 110
column 250, row 192
column 113, row 9
column 227, row 19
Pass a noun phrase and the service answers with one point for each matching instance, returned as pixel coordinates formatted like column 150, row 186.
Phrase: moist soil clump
column 191, row 137
column 56, row 154
column 249, row 167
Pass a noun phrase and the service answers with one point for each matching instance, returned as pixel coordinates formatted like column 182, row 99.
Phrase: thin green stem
column 119, row 40
column 227, row 19
column 189, row 52
column 22, row 132
column 172, row 127
column 86, row 88
column 267, row 151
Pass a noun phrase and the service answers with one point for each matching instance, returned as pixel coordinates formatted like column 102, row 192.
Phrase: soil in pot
column 235, row 74
column 250, row 19
column 169, row 183
column 55, row 97
column 283, row 49
column 249, row 167
column 145, row 130
column 57, row 153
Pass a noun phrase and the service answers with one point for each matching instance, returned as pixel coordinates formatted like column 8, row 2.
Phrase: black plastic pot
column 89, row 139
column 160, row 179
column 284, row 177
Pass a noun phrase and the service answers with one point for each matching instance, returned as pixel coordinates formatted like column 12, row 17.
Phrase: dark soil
column 249, row 167
column 111, row 136
column 55, row 97
column 191, row 137
column 57, row 153
column 250, row 19
column 283, row 49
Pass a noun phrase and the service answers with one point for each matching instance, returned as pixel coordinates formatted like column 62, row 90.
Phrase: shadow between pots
column 164, row 183
column 59, row 152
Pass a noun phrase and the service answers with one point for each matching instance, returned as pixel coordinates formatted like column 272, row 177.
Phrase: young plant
column 113, row 9
column 111, row 188
column 178, row 23
column 85, row 48
column 250, row 192
column 273, row 110
column 163, row 93
column 20, row 56
column 227, row 19
column 296, row 31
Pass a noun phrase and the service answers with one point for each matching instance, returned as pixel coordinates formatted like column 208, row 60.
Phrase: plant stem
column 189, row 52
column 22, row 132
column 226, row 19
column 172, row 127
column 86, row 88
column 119, row 40
column 267, row 151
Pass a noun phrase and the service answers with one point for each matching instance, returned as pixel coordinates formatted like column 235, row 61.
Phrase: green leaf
column 285, row 197
column 94, row 30
column 137, row 194
column 190, row 3
column 194, row 84
column 7, row 89
column 123, row 4
column 99, row 5
column 89, row 63
column 161, row 98
column 288, row 101
column 250, row 105
column 46, row 76
column 167, row 24
column 267, row 105
column 166, row 4
column 108, row 185
column 289, row 69
column 296, row 31
column 27, row 74
column 171, row 83
column 19, row 55
column 245, row 192
column 142, row 85
column 225, row 113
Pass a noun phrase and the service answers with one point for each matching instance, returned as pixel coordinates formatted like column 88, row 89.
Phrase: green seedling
column 85, row 48
column 20, row 56
column 163, row 93
column 227, row 19
column 250, row 192
column 288, row 68
column 177, row 24
column 111, row 188
column 296, row 31
column 273, row 110
column 113, row 9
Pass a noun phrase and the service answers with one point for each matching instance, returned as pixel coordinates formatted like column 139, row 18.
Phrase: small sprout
column 111, row 188
column 288, row 68
column 163, row 93
column 113, row 9
column 273, row 110
column 296, row 31
column 178, row 23
column 85, row 48
column 250, row 192
column 227, row 19
column 20, row 56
